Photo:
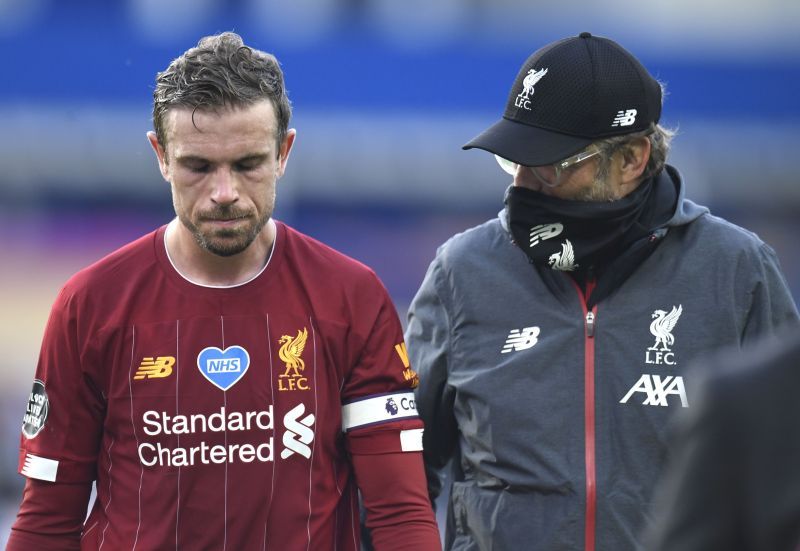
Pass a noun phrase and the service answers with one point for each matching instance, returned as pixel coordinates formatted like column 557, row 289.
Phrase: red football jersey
column 220, row 417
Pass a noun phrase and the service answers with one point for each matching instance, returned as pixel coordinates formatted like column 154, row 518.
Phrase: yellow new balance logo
column 155, row 368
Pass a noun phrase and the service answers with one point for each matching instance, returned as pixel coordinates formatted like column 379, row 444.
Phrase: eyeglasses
column 551, row 175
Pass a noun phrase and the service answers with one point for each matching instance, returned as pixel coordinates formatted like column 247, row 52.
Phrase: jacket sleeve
column 428, row 337
column 772, row 306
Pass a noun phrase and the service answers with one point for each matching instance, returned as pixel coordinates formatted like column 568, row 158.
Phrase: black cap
column 569, row 94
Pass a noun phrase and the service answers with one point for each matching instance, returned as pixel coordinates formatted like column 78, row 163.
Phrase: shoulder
column 473, row 242
column 716, row 236
column 323, row 261
column 121, row 265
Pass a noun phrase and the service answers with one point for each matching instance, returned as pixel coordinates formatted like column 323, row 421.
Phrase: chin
column 226, row 247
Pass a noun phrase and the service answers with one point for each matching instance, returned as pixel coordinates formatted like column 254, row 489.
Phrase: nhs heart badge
column 223, row 368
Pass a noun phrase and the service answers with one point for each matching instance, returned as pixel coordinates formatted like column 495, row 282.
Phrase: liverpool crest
column 290, row 353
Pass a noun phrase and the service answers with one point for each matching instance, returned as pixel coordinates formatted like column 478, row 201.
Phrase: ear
column 160, row 154
column 633, row 160
column 286, row 149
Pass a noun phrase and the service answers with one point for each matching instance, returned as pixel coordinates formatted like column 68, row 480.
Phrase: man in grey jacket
column 551, row 342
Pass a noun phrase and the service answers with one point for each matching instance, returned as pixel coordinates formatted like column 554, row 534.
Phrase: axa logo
column 661, row 328
column 521, row 339
column 657, row 390
column 154, row 368
column 290, row 353
column 530, row 80
column 298, row 434
column 544, row 232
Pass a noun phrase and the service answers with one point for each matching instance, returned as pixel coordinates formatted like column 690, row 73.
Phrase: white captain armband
column 376, row 409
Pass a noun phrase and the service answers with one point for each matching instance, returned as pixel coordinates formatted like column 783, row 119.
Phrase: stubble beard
column 225, row 242
column 601, row 189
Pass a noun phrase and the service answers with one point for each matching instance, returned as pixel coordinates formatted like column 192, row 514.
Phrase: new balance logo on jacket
column 521, row 339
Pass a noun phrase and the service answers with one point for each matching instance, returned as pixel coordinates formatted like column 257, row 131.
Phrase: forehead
column 222, row 130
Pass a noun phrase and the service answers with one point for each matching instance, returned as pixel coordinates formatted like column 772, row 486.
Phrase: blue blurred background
column 385, row 92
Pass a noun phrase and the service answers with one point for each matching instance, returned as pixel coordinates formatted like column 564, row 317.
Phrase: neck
column 205, row 268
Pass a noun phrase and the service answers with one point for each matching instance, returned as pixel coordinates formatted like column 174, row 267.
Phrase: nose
column 524, row 177
column 226, row 188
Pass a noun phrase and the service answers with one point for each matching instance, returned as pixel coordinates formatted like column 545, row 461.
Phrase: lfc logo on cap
column 528, row 83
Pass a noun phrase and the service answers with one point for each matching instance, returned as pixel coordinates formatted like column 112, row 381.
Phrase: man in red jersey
column 227, row 382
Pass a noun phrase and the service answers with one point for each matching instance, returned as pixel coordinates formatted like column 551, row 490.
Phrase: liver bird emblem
column 530, row 81
column 565, row 260
column 290, row 352
column 662, row 327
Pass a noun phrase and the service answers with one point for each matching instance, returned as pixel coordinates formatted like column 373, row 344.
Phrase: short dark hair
column 221, row 71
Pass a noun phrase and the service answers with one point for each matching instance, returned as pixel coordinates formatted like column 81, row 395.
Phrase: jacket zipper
column 589, row 419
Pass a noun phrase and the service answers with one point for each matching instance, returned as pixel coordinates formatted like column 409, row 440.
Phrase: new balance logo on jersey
column 624, row 118
column 298, row 433
column 521, row 339
column 157, row 368
column 657, row 390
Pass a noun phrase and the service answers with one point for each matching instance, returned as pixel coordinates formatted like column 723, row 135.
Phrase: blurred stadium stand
column 384, row 93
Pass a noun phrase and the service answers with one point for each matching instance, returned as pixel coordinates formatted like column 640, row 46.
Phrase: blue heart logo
column 223, row 368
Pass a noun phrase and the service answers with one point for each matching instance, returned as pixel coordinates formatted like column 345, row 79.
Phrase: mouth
column 230, row 220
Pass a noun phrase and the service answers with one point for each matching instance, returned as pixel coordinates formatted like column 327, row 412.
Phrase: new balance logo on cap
column 521, row 339
column 625, row 118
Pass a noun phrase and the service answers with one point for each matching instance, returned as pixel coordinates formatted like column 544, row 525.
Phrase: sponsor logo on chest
column 223, row 368
column 657, row 389
column 298, row 436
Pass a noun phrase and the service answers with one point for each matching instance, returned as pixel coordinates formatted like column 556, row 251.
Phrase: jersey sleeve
column 64, row 414
column 50, row 517
column 399, row 514
column 379, row 413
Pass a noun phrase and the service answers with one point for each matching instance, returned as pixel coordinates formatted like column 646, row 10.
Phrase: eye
column 197, row 166
column 246, row 165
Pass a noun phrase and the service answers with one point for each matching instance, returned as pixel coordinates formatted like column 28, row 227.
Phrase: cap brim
column 527, row 145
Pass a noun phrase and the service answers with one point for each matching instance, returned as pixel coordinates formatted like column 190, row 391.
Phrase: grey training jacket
column 556, row 416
